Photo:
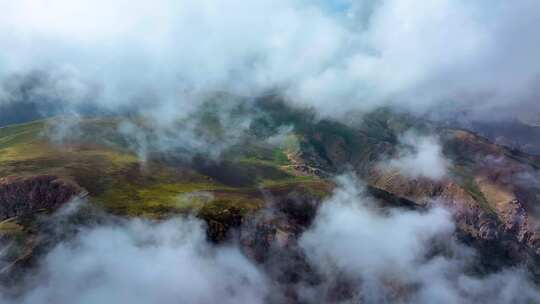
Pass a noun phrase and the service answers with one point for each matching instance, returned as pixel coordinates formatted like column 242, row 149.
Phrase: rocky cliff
column 25, row 195
column 491, row 190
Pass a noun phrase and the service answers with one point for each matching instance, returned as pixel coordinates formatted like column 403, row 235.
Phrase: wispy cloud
column 419, row 156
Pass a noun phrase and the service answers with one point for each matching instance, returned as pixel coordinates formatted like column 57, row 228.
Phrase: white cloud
column 144, row 262
column 390, row 257
column 394, row 255
column 421, row 157
column 350, row 236
column 335, row 55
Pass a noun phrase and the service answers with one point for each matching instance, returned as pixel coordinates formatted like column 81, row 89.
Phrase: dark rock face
column 491, row 190
column 22, row 196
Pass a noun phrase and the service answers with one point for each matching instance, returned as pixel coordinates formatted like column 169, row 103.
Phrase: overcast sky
column 444, row 54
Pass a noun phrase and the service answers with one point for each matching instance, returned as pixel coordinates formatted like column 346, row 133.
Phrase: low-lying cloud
column 390, row 256
column 420, row 156
column 356, row 250
column 143, row 262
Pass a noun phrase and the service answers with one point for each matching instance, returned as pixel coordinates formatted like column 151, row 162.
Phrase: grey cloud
column 334, row 55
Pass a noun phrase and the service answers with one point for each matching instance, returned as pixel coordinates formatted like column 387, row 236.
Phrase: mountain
column 40, row 175
column 491, row 189
column 520, row 135
column 266, row 185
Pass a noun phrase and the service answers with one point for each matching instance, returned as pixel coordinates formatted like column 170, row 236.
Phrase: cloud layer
column 335, row 55
column 143, row 262
column 401, row 256
column 355, row 250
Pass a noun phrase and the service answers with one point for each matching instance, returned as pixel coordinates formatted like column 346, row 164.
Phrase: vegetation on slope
column 124, row 184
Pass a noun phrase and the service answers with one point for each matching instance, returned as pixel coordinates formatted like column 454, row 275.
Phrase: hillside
column 115, row 179
column 491, row 189
column 259, row 190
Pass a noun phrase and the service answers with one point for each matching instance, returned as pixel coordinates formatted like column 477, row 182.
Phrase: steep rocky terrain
column 263, row 195
column 23, row 196
column 491, row 190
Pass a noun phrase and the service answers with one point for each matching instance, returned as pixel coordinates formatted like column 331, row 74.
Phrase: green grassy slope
column 119, row 181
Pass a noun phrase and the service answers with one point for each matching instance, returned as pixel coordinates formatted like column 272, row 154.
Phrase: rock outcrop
column 25, row 195
column 490, row 189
